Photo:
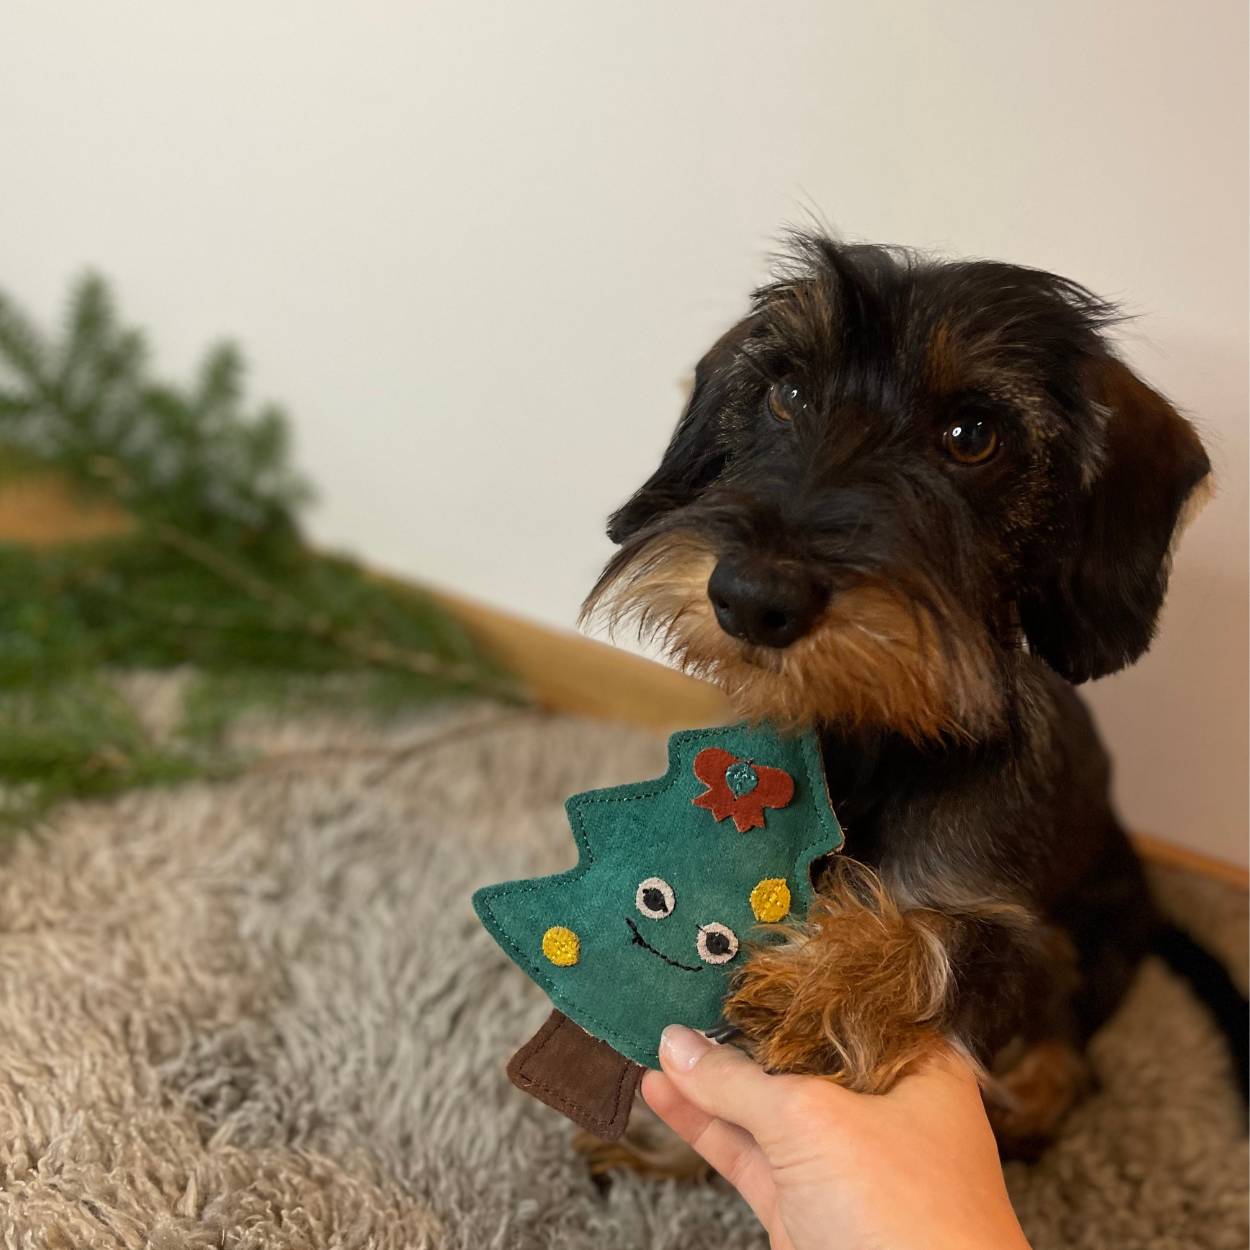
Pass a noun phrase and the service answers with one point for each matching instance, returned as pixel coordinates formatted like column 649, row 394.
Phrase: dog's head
column 891, row 473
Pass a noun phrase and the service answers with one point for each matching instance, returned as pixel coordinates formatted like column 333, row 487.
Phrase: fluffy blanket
column 261, row 1014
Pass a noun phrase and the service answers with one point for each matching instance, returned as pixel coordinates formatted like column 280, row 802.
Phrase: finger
column 721, row 1144
column 730, row 1150
column 721, row 1081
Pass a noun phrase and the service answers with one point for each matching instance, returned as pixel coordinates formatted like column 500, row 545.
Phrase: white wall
column 475, row 247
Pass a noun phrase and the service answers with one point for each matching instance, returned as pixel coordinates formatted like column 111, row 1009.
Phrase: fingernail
column 683, row 1047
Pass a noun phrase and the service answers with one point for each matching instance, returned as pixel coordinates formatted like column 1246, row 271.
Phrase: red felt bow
column 773, row 788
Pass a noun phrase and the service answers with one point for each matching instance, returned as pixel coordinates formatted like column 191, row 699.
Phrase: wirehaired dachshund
column 913, row 503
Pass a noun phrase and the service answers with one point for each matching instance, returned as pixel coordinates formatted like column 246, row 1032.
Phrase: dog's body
column 910, row 503
column 975, row 831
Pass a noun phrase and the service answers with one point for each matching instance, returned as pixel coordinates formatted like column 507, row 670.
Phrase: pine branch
column 214, row 574
column 193, row 456
column 21, row 346
column 372, row 650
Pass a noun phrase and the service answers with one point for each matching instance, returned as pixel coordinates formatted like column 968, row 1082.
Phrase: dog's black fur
column 931, row 615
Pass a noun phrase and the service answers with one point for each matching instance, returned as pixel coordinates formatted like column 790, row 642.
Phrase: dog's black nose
column 762, row 604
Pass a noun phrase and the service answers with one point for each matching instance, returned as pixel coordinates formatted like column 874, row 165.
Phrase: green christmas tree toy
column 674, row 881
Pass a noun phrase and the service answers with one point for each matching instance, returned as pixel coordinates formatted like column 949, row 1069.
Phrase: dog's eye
column 785, row 399
column 716, row 943
column 655, row 898
column 971, row 441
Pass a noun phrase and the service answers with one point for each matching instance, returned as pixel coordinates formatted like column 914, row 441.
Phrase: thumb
column 722, row 1081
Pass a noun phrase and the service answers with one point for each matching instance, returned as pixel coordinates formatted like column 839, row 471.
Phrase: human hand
column 822, row 1167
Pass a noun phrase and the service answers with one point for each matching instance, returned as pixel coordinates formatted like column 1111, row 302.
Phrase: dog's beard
column 875, row 659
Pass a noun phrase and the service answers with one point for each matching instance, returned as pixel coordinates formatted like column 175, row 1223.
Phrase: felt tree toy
column 676, row 879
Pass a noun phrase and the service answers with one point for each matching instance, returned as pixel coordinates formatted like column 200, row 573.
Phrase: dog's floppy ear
column 1093, row 610
column 694, row 455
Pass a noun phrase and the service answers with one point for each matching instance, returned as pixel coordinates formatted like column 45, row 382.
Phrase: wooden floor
column 565, row 671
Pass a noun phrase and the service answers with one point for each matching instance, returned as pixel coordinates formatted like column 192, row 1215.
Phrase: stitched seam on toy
column 601, row 1028
column 566, row 1103
column 586, row 860
column 590, row 1119
column 586, row 857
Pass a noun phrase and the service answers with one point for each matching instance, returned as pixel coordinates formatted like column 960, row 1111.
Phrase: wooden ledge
column 569, row 673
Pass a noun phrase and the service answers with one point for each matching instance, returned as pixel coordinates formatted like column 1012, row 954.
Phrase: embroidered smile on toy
column 675, row 878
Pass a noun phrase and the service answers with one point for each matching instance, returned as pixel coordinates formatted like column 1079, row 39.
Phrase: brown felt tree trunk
column 578, row 1075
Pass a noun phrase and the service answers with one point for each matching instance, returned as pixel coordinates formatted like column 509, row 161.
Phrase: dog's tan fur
column 874, row 655
column 1028, row 1101
column 856, row 993
column 647, row 1147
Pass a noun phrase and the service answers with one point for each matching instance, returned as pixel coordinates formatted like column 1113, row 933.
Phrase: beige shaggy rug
column 261, row 1014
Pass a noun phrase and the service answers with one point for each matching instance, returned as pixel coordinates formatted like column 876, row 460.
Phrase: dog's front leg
column 866, row 988
column 859, row 992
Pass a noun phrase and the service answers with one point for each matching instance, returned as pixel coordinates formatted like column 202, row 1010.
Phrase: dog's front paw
column 856, row 993
column 1027, row 1102
column 648, row 1147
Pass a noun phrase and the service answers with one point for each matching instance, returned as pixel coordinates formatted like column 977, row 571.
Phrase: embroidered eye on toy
column 675, row 878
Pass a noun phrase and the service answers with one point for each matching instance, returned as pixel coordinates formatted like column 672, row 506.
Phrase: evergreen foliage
column 214, row 574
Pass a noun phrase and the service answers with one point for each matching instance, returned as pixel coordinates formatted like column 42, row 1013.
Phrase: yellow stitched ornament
column 770, row 900
column 561, row 946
